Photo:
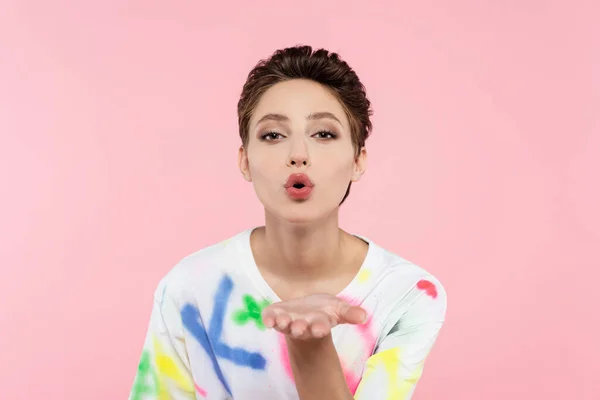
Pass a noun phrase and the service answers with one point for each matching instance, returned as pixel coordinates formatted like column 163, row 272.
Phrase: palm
column 312, row 316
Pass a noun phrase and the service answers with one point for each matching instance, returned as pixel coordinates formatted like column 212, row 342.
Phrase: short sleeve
column 396, row 366
column 164, row 369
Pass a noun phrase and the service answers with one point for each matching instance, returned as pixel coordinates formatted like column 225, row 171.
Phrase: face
column 299, row 127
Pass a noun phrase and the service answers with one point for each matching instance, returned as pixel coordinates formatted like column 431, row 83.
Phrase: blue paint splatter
column 211, row 340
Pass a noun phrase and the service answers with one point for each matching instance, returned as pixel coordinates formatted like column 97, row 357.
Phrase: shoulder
column 403, row 289
column 392, row 270
column 199, row 269
column 407, row 274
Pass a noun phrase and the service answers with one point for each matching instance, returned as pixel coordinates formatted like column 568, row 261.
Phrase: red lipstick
column 298, row 186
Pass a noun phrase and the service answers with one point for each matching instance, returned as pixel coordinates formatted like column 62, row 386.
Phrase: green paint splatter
column 146, row 382
column 251, row 312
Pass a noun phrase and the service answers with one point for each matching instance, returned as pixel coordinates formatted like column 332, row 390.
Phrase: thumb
column 350, row 314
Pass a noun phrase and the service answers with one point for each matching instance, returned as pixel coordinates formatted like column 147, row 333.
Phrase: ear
column 360, row 165
column 243, row 163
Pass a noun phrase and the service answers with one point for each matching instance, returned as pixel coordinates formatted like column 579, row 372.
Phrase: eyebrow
column 312, row 116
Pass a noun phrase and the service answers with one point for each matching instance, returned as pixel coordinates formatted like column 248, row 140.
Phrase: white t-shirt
column 206, row 339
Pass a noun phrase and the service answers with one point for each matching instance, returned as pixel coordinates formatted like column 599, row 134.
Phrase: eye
column 269, row 136
column 325, row 135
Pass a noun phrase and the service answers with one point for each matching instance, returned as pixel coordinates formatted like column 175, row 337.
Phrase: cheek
column 340, row 169
column 263, row 168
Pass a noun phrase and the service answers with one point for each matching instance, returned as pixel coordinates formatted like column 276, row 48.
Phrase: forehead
column 297, row 99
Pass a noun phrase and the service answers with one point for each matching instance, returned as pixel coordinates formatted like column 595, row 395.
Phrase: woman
column 297, row 308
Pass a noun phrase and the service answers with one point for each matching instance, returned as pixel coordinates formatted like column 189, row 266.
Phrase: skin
column 301, row 251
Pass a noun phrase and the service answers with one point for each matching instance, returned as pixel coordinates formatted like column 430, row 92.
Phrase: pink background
column 118, row 158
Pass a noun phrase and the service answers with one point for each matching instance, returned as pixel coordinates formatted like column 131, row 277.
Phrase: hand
column 311, row 317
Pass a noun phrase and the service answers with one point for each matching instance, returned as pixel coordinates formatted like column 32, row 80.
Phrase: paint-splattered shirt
column 206, row 339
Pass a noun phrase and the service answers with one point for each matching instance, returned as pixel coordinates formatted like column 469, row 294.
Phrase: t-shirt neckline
column 351, row 292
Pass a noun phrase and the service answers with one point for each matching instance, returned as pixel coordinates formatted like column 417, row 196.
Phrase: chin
column 302, row 213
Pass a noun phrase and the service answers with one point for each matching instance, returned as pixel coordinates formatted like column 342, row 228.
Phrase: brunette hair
column 321, row 66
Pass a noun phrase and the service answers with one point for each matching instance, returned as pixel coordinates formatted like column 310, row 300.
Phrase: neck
column 302, row 251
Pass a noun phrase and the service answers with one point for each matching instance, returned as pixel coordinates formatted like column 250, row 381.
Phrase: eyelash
column 265, row 136
column 331, row 134
column 269, row 135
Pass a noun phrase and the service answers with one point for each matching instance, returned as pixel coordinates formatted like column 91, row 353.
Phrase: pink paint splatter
column 368, row 344
column 200, row 391
column 428, row 287
column 285, row 357
column 365, row 329
column 351, row 380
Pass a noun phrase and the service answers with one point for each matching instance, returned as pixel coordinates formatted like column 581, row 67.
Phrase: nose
column 297, row 161
column 298, row 157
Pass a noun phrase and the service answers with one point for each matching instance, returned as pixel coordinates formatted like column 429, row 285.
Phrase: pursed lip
column 299, row 178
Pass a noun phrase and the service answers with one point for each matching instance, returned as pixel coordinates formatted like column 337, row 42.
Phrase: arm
column 163, row 371
column 397, row 365
column 306, row 323
column 317, row 370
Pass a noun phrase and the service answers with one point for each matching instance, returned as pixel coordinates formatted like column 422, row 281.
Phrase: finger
column 352, row 315
column 282, row 322
column 320, row 327
column 298, row 328
column 269, row 316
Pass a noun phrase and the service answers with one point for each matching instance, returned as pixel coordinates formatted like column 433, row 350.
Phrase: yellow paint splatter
column 389, row 361
column 364, row 275
column 167, row 368
column 407, row 385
